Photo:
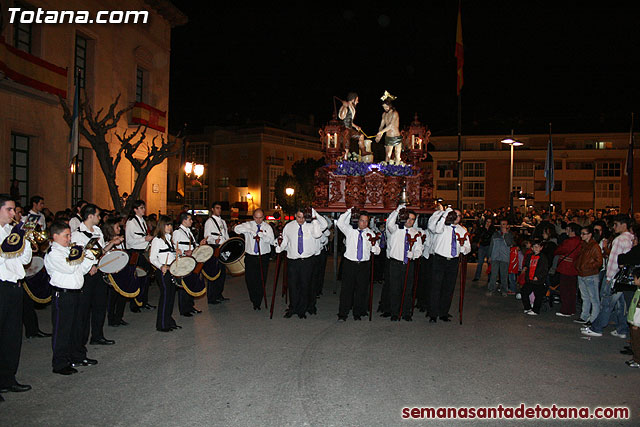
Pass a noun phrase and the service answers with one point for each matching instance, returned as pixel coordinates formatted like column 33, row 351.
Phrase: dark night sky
column 571, row 63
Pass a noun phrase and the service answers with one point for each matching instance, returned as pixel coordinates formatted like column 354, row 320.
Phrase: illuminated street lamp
column 513, row 143
column 289, row 191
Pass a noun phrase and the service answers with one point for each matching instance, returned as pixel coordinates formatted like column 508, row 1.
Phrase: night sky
column 571, row 63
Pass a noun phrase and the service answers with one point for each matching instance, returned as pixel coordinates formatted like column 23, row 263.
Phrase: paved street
column 231, row 365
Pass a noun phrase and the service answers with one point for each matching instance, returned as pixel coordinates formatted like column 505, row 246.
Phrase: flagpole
column 459, row 54
column 630, row 166
column 550, row 189
column 459, row 151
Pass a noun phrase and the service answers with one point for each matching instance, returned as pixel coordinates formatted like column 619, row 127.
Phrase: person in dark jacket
column 535, row 268
column 484, row 242
column 588, row 264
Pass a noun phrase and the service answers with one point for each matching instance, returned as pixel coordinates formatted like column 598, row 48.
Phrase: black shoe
column 422, row 309
column 164, row 329
column 67, row 370
column 357, row 317
column 223, row 299
column 102, row 341
column 313, row 311
column 148, row 306
column 302, row 316
column 475, row 280
column 39, row 334
column 115, row 325
column 445, row 319
column 15, row 388
column 288, row 314
column 176, row 327
column 196, row 311
column 135, row 310
column 379, row 310
column 1, row 398
column 407, row 318
column 186, row 314
column 394, row 318
column 433, row 319
column 214, row 302
column 123, row 323
column 256, row 307
column 385, row 314
column 625, row 351
column 84, row 362
column 342, row 318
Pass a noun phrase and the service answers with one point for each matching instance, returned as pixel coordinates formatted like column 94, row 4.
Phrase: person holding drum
column 163, row 253
column 124, row 278
column 258, row 238
column 185, row 243
column 14, row 254
column 216, row 232
column 93, row 302
column 300, row 239
column 137, row 239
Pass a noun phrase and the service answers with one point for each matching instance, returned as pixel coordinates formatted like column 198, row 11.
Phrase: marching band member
column 95, row 292
column 137, row 238
column 405, row 245
column 216, row 232
column 258, row 238
column 163, row 253
column 35, row 214
column 301, row 238
column 67, row 269
column 185, row 243
column 357, row 265
column 115, row 302
column 14, row 254
column 450, row 240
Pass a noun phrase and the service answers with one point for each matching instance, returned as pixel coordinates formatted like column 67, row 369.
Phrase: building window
column 447, row 169
column 223, row 182
column 579, row 166
column 447, row 185
column 290, row 156
column 139, row 84
column 602, row 145
column 611, row 169
column 473, row 206
column 473, row 189
column 557, row 165
column 241, row 182
column 608, row 190
column 77, row 187
column 20, row 165
column 81, row 59
column 274, row 173
column 198, row 196
column 541, row 185
column 473, row 169
column 23, row 33
column 523, row 169
column 486, row 146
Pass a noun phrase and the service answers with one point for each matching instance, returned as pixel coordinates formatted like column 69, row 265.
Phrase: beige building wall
column 114, row 53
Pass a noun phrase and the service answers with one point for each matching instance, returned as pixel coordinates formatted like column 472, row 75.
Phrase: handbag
column 623, row 280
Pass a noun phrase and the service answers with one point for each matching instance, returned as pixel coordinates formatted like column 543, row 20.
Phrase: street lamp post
column 289, row 191
column 512, row 142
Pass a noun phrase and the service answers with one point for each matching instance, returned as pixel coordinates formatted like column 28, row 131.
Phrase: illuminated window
column 602, row 145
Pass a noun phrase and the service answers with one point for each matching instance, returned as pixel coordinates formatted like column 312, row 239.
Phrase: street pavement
column 232, row 366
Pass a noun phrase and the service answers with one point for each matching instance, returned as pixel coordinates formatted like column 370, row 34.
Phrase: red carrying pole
column 285, row 284
column 275, row 284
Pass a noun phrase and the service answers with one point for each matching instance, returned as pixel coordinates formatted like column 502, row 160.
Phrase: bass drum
column 193, row 284
column 36, row 281
column 232, row 255
column 182, row 266
column 124, row 282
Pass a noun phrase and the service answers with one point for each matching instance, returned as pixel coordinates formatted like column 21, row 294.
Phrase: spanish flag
column 459, row 50
column 32, row 71
column 146, row 115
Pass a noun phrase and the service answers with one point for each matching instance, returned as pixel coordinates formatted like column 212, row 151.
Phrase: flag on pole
column 459, row 50
column 74, row 136
column 628, row 168
column 549, row 168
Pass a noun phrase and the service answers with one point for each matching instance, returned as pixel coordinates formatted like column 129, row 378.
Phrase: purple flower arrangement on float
column 352, row 168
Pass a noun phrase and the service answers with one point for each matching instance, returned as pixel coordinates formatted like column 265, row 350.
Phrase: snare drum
column 113, row 262
column 37, row 264
column 232, row 255
column 202, row 253
column 36, row 282
column 182, row 266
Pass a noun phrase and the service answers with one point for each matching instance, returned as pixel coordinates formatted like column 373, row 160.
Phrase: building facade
column 241, row 165
column 37, row 65
column 589, row 171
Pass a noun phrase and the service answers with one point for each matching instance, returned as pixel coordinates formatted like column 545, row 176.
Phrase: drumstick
column 108, row 262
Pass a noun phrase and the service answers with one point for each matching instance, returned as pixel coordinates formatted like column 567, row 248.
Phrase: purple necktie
column 406, row 246
column 256, row 247
column 454, row 246
column 360, row 245
column 300, row 241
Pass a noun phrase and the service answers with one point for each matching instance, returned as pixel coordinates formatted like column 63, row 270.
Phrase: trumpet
column 33, row 233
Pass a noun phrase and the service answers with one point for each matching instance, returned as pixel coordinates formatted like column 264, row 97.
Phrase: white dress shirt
column 135, row 233
column 427, row 246
column 442, row 235
column 11, row 269
column 183, row 239
column 162, row 252
column 41, row 219
column 397, row 236
column 214, row 228
column 352, row 236
column 75, row 222
column 311, row 234
column 79, row 237
column 64, row 275
column 250, row 229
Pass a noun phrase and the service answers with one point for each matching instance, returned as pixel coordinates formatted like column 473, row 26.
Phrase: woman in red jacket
column 567, row 253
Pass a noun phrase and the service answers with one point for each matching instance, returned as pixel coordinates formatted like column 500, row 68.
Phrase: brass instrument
column 33, row 233
column 94, row 248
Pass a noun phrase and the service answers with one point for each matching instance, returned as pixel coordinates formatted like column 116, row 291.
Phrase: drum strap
column 143, row 228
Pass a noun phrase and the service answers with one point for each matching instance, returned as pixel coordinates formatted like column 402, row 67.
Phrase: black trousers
column 216, row 287
column 397, row 274
column 252, row 276
column 93, row 307
column 299, row 273
column 67, row 335
column 385, row 303
column 444, row 273
column 538, row 290
column 424, row 282
column 354, row 291
column 143, row 296
column 322, row 267
column 29, row 316
column 186, row 303
column 380, row 262
column 11, row 295
column 316, row 276
column 115, row 306
column 164, row 318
